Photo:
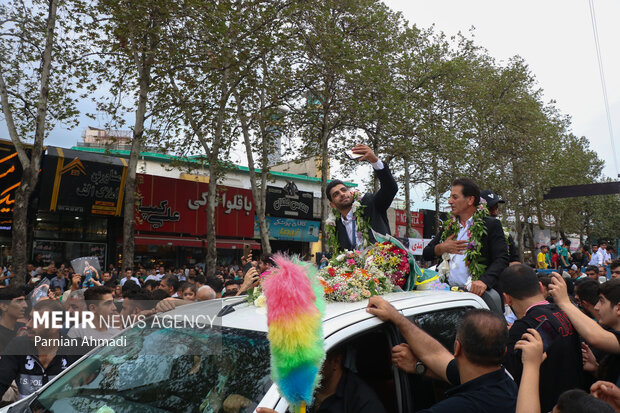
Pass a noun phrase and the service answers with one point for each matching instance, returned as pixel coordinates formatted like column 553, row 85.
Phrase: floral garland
column 473, row 254
column 507, row 236
column 362, row 224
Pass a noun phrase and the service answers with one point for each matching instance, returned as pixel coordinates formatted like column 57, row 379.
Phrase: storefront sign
column 180, row 206
column 417, row 224
column 289, row 202
column 291, row 229
column 10, row 179
column 82, row 182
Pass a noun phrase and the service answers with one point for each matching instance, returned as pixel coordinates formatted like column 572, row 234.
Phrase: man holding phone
column 375, row 205
column 563, row 368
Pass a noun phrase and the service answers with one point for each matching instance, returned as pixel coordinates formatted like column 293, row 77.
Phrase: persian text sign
column 10, row 179
column 179, row 206
column 416, row 245
column 289, row 202
column 82, row 182
column 291, row 229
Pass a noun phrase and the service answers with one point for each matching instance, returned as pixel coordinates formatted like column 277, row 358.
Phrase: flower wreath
column 475, row 233
column 362, row 224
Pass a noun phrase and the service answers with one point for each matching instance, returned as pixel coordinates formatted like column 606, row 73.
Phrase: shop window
column 47, row 226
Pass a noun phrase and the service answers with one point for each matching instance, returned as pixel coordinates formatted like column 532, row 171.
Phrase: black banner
column 82, row 182
column 289, row 202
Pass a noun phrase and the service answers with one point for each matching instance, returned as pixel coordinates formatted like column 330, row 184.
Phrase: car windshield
column 167, row 370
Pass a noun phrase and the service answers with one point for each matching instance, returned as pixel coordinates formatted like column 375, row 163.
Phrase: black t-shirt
column 7, row 335
column 352, row 396
column 20, row 363
column 563, row 368
column 609, row 365
column 490, row 393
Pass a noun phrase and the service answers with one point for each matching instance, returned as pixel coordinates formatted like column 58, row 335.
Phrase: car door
column 368, row 346
column 440, row 321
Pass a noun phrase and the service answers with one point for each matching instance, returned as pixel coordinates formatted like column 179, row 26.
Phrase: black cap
column 491, row 197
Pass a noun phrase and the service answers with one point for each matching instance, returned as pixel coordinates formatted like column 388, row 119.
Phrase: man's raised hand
column 366, row 152
column 558, row 290
column 383, row 310
column 531, row 346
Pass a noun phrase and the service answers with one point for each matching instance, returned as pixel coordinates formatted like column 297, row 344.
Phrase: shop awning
column 193, row 242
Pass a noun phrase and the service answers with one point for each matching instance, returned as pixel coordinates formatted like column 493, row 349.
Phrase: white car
column 205, row 369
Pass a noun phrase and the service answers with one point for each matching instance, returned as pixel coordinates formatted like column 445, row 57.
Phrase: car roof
column 246, row 316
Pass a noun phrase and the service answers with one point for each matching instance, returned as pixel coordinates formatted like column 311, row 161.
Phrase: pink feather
column 294, row 295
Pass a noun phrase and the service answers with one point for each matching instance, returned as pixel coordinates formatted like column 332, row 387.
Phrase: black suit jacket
column 376, row 208
column 494, row 251
column 513, row 251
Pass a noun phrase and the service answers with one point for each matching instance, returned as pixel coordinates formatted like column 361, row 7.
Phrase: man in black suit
column 464, row 199
column 376, row 205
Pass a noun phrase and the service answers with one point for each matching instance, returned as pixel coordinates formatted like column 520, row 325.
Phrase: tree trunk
column 407, row 198
column 435, row 174
column 30, row 166
column 144, row 71
column 264, row 230
column 129, row 203
column 211, row 261
column 265, row 147
column 519, row 227
column 324, row 178
column 530, row 232
column 257, row 193
column 214, row 175
column 19, row 250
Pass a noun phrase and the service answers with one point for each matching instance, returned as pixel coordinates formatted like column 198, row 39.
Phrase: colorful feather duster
column 295, row 307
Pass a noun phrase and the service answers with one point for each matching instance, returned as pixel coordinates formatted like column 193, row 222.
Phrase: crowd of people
column 548, row 341
column 26, row 366
column 557, row 256
column 556, row 355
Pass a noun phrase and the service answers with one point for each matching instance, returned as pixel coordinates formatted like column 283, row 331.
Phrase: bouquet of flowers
column 344, row 283
column 391, row 260
column 350, row 259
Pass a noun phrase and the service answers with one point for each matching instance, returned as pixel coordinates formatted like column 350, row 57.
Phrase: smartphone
column 246, row 250
column 547, row 333
column 352, row 156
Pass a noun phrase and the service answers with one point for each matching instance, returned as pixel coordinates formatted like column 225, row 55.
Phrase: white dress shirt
column 600, row 256
column 604, row 256
column 124, row 279
column 349, row 221
column 459, row 272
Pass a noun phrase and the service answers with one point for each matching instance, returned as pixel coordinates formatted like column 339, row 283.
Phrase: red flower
column 331, row 271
